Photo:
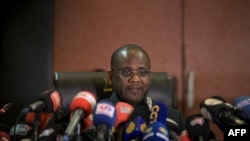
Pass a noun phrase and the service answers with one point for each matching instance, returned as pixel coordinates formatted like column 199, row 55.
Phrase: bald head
column 129, row 51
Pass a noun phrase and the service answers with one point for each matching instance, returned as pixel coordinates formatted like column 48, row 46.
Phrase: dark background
column 26, row 53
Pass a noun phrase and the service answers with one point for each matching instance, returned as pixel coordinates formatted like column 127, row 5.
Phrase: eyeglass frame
column 133, row 72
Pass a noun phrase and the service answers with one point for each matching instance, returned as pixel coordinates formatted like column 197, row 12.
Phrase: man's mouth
column 134, row 89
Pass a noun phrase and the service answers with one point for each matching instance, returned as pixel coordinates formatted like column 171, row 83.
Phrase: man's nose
column 134, row 77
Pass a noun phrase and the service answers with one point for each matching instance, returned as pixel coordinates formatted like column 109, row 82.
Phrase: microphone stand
column 78, row 133
column 36, row 124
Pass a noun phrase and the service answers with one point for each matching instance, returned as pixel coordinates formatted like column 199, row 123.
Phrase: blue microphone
column 156, row 131
column 136, row 124
column 243, row 103
column 134, row 129
column 159, row 113
column 104, row 117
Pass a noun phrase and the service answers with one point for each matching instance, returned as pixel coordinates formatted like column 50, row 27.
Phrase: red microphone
column 184, row 136
column 44, row 119
column 4, row 136
column 4, row 133
column 87, row 123
column 123, row 112
column 81, row 106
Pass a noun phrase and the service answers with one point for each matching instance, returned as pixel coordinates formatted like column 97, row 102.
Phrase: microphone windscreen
column 197, row 126
column 53, row 132
column 210, row 109
column 218, row 98
column 184, row 136
column 21, row 130
column 123, row 112
column 159, row 112
column 84, row 100
column 134, row 129
column 52, row 100
column 142, row 111
column 44, row 119
column 173, row 126
column 87, row 123
column 156, row 131
column 139, row 118
column 104, row 112
column 4, row 136
column 243, row 103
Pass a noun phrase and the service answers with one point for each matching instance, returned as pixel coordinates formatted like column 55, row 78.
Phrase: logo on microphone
column 56, row 99
column 88, row 96
column 154, row 113
column 105, row 109
column 197, row 121
column 130, row 128
column 243, row 103
column 124, row 109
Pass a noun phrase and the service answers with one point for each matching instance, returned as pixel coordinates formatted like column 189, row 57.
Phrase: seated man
column 130, row 77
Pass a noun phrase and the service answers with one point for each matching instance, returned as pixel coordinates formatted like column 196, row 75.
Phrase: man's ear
column 109, row 77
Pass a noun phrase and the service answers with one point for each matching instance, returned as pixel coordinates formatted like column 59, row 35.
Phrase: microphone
column 104, row 117
column 21, row 130
column 5, row 108
column 44, row 119
column 32, row 124
column 174, row 129
column 87, row 123
column 54, row 132
column 136, row 124
column 81, row 106
column 159, row 113
column 219, row 112
column 134, row 129
column 243, row 103
column 197, row 127
column 123, row 112
column 4, row 133
column 184, row 136
column 4, row 136
column 156, row 131
column 49, row 101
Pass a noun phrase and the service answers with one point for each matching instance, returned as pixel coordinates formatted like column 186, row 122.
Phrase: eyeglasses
column 129, row 73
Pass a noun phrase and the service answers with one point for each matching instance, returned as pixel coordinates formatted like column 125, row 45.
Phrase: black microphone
column 49, row 101
column 197, row 127
column 219, row 112
column 174, row 129
column 21, row 130
column 5, row 108
column 53, row 132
